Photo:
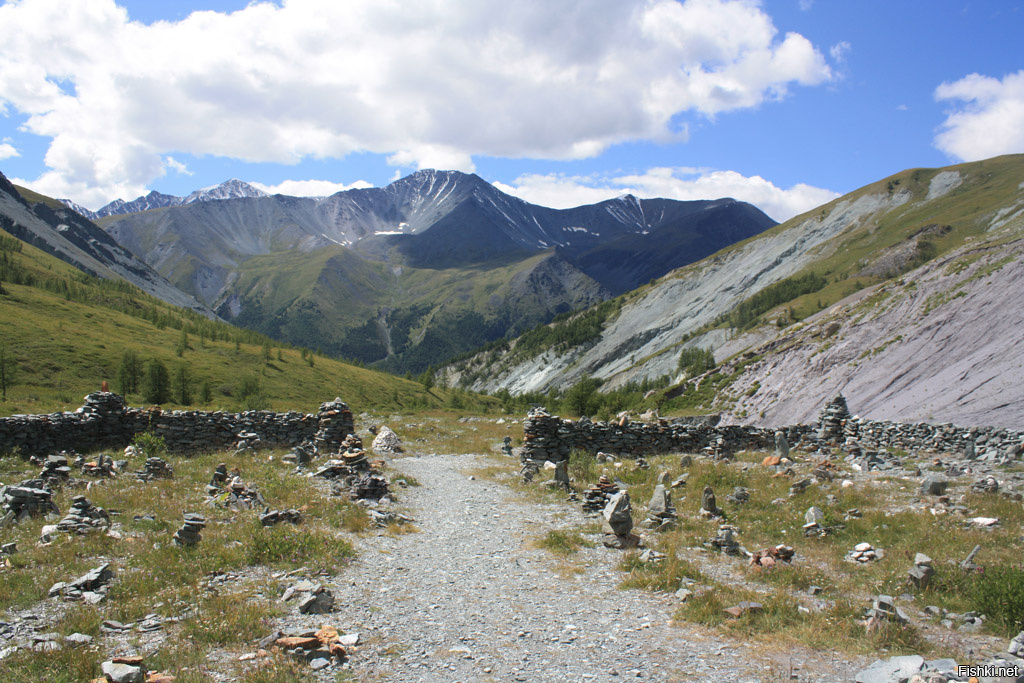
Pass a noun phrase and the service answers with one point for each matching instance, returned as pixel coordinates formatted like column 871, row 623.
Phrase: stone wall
column 549, row 437
column 105, row 422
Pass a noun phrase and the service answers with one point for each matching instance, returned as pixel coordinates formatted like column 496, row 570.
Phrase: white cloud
column 839, row 50
column 7, row 151
column 309, row 188
column 562, row 192
column 989, row 118
column 429, row 84
column 176, row 166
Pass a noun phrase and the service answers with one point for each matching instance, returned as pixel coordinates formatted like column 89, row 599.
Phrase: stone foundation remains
column 549, row 437
column 105, row 422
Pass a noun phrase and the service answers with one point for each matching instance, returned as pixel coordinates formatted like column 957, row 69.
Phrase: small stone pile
column 83, row 517
column 769, row 557
column 506, row 446
column 596, row 498
column 319, row 648
column 725, row 541
column 813, row 519
column 832, row 420
column 189, row 533
column 910, row 668
column 386, row 442
column 155, row 468
column 56, row 469
column 91, row 587
column 335, row 423
column 102, row 466
column 30, row 497
column 739, row 495
column 618, row 515
column 661, row 513
column 302, row 454
column 988, row 484
column 248, row 443
column 863, row 553
column 237, row 496
column 921, row 573
column 371, row 487
column 883, row 610
column 272, row 517
column 934, row 485
column 718, row 450
column 312, row 598
column 131, row 670
column 218, row 480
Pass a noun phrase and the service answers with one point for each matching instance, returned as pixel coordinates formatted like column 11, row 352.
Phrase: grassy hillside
column 65, row 332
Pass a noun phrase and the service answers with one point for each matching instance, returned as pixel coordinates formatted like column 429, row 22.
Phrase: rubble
column 883, row 610
column 371, row 487
column 91, row 587
column 769, row 557
column 272, row 517
column 312, row 598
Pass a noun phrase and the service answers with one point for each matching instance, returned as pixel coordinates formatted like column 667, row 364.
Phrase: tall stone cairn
column 832, row 419
column 335, row 421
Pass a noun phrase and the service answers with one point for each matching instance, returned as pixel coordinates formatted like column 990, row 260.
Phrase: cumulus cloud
column 7, row 151
column 309, row 188
column 429, row 84
column 558, row 191
column 987, row 119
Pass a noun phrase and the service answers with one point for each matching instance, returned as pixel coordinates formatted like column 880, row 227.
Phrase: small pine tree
column 182, row 385
column 7, row 369
column 205, row 393
column 157, row 388
column 129, row 374
column 266, row 353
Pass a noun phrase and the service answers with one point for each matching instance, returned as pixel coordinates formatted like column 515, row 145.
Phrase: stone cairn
column 596, row 498
column 386, row 442
column 351, row 463
column 56, row 468
column 832, row 421
column 301, row 454
column 371, row 487
column 83, row 517
column 335, row 420
column 30, row 497
column 506, row 446
column 155, row 468
column 725, row 540
column 103, row 466
column 189, row 533
column 920, row 575
column 708, row 505
column 272, row 517
column 618, row 517
column 661, row 513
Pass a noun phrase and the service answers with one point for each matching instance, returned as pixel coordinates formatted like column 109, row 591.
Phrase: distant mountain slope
column 943, row 246
column 230, row 189
column 57, row 230
column 518, row 264
column 65, row 332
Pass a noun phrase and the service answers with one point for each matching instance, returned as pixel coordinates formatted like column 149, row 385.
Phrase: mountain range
column 431, row 266
column 230, row 189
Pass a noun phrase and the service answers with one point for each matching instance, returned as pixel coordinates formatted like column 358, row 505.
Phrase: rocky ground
column 468, row 598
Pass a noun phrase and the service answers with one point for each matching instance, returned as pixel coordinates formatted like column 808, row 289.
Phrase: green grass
column 65, row 347
column 563, row 542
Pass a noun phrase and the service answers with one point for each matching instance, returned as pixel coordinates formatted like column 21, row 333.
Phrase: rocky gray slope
column 229, row 189
column 940, row 347
column 943, row 346
column 76, row 240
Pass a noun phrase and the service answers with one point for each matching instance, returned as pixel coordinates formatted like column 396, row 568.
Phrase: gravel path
column 468, row 599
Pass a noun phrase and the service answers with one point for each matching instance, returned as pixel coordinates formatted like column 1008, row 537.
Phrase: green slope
column 65, row 332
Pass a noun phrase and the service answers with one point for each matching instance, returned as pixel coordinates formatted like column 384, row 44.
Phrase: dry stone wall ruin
column 105, row 422
column 549, row 437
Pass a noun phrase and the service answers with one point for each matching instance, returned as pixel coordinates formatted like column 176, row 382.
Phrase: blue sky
column 784, row 103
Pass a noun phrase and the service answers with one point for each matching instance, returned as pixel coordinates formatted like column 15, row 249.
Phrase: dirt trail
column 468, row 599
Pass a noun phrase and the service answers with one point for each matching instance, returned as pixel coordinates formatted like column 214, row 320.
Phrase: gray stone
column 123, row 673
column 319, row 663
column 781, row 445
column 934, row 485
column 814, row 515
column 619, row 514
column 78, row 639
